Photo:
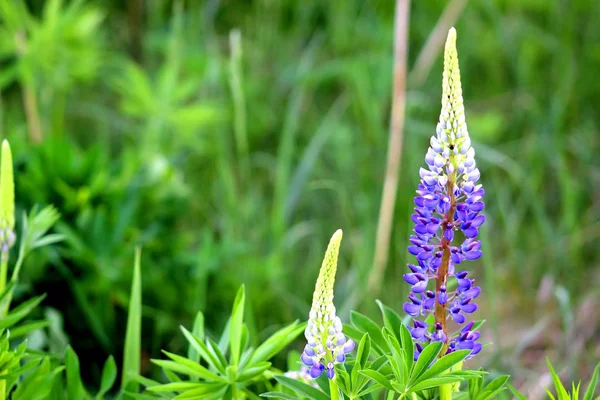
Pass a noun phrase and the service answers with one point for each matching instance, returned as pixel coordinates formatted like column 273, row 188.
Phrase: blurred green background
column 231, row 138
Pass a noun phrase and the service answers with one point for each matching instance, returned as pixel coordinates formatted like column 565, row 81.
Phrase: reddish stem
column 440, row 309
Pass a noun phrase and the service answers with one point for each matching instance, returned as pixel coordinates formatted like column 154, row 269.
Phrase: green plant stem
column 3, row 274
column 235, row 395
column 446, row 392
column 333, row 390
column 3, row 386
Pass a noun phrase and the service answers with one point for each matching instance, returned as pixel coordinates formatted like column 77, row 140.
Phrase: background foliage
column 229, row 139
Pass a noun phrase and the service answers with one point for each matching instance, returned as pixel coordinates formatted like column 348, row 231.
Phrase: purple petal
column 469, row 308
column 410, row 278
column 419, row 287
column 456, row 258
column 330, row 372
column 467, row 327
column 421, row 229
column 309, row 351
column 477, row 221
column 471, row 232
column 473, row 255
column 349, row 346
column 412, row 309
column 424, row 255
column 341, row 357
column 308, row 361
column 442, row 298
column 428, row 304
column 414, row 250
column 418, row 333
column 468, row 345
column 473, row 292
column 459, row 318
column 477, row 206
column 316, row 370
column 464, row 284
column 432, row 228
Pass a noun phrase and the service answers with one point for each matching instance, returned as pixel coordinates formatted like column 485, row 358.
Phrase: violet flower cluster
column 447, row 218
column 327, row 345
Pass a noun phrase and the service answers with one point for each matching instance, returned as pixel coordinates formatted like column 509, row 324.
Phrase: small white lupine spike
column 327, row 346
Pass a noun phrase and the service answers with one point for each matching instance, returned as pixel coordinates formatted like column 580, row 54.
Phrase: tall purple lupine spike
column 448, row 206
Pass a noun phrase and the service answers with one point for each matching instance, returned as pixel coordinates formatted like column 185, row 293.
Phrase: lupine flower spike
column 7, row 202
column 326, row 345
column 448, row 211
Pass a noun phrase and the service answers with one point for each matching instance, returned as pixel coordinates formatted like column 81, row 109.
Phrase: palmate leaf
column 367, row 325
column 276, row 342
column 203, row 351
column 221, row 378
column 302, row 388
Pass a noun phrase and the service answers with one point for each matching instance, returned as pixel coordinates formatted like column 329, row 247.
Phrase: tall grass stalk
column 394, row 157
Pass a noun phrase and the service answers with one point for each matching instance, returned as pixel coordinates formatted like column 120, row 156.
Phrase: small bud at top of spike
column 326, row 345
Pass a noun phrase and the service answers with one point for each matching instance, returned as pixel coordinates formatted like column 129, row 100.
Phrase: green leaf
column 198, row 331
column 493, row 388
column 109, row 375
column 20, row 312
column 302, row 388
column 132, row 353
column 235, row 330
column 25, row 328
column 428, row 355
column 560, row 389
column 444, row 364
column 278, row 395
column 364, row 349
column 434, row 382
column 74, row 385
column 377, row 377
column 216, row 350
column 365, row 324
column 249, row 373
column 591, row 389
column 208, row 387
column 408, row 347
column 185, row 366
column 276, row 342
column 203, row 351
column 391, row 319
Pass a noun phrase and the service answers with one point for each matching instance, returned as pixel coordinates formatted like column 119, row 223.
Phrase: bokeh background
column 231, row 138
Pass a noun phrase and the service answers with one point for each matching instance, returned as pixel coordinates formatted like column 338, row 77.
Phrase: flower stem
column 446, row 392
column 440, row 309
column 333, row 390
column 3, row 274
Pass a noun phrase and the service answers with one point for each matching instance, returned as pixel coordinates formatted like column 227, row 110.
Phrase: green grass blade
column 132, row 353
